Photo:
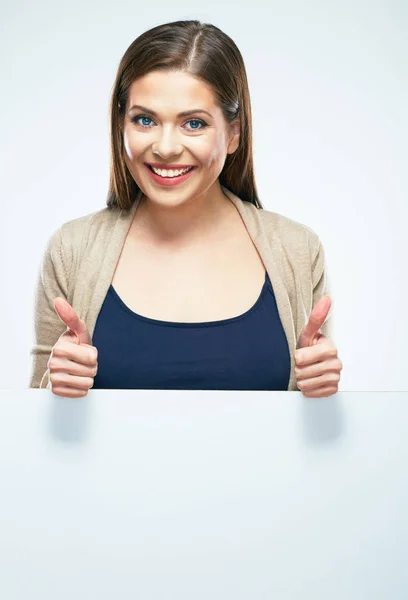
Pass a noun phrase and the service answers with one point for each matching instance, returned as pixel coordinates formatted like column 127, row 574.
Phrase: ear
column 234, row 136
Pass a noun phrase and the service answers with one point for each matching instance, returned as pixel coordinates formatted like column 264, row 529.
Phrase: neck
column 178, row 224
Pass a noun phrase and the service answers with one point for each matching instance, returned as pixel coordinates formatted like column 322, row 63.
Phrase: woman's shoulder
column 276, row 227
column 94, row 225
column 292, row 235
column 290, row 229
column 102, row 218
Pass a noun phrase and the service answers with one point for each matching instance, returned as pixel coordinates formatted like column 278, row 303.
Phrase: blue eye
column 135, row 119
column 199, row 121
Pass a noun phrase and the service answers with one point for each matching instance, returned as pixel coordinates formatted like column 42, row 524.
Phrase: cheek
column 134, row 145
column 128, row 147
column 209, row 152
column 213, row 154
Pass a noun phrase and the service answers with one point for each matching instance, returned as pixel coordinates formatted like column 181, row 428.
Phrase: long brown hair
column 206, row 52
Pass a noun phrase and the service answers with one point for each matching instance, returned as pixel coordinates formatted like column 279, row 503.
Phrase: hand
column 317, row 365
column 73, row 361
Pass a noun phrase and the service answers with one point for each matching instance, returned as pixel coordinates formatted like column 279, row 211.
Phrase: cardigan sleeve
column 321, row 287
column 48, row 327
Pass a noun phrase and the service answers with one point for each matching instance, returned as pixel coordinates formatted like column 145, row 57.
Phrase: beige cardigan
column 80, row 258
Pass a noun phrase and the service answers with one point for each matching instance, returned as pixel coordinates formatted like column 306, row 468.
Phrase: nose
column 167, row 144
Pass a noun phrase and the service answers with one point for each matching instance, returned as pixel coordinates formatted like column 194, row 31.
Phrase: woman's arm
column 51, row 282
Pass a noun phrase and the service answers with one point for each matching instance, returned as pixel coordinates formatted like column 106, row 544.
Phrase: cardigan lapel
column 117, row 227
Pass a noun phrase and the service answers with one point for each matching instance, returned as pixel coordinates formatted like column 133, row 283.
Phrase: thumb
column 70, row 318
column 310, row 333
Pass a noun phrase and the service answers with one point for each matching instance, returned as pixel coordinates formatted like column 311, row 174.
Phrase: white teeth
column 171, row 172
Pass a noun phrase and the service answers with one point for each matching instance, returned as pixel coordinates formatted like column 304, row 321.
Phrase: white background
column 182, row 495
column 329, row 91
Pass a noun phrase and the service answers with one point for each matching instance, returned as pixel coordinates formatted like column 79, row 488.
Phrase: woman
column 183, row 281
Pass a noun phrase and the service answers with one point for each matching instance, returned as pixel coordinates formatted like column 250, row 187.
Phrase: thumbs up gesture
column 73, row 361
column 317, row 364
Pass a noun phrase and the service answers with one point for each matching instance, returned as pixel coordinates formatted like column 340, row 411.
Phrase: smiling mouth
column 170, row 176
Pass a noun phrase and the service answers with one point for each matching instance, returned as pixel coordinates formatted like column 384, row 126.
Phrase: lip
column 169, row 181
column 172, row 166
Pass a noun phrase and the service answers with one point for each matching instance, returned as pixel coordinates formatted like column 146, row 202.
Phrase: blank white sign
column 199, row 495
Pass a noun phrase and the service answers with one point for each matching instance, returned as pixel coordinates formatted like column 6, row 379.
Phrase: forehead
column 171, row 89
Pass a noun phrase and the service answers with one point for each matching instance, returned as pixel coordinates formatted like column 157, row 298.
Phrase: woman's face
column 200, row 139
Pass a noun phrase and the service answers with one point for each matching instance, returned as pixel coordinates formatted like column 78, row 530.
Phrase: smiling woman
column 196, row 143
column 198, row 121
column 184, row 280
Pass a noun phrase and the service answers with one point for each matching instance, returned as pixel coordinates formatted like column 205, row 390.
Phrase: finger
column 319, row 368
column 313, row 354
column 69, row 317
column 315, row 382
column 322, row 392
column 316, row 319
column 68, row 392
column 63, row 379
column 82, row 355
column 73, row 368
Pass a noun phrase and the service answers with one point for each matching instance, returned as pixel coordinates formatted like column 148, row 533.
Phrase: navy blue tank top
column 247, row 352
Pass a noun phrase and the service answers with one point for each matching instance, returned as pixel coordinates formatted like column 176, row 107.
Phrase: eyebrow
column 185, row 113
